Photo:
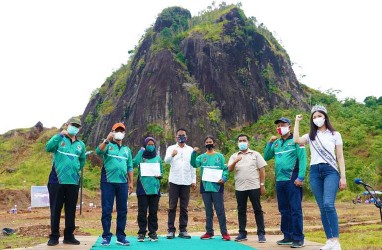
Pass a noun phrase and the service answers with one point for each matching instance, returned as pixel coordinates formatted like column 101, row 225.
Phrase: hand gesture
column 193, row 185
column 273, row 138
column 174, row 152
column 110, row 136
column 298, row 183
column 298, row 117
column 130, row 187
column 238, row 158
column 262, row 190
column 342, row 184
column 64, row 132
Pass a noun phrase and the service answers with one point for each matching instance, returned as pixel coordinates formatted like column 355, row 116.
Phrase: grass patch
column 365, row 237
column 17, row 241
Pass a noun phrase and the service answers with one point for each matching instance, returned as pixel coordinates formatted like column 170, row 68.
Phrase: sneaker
column 153, row 237
column 262, row 238
column 207, row 236
column 105, row 242
column 284, row 242
column 241, row 237
column 331, row 244
column 52, row 242
column 141, row 237
column 123, row 242
column 226, row 237
column 72, row 241
column 184, row 235
column 297, row 244
column 171, row 235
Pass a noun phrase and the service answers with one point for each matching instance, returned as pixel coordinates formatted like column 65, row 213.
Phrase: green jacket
column 215, row 161
column 117, row 162
column 290, row 159
column 147, row 185
column 68, row 159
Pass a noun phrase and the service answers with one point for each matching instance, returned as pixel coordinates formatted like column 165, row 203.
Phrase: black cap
column 283, row 119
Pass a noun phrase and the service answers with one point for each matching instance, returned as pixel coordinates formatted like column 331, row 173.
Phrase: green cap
column 75, row 120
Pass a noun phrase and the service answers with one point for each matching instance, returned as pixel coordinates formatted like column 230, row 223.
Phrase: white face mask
column 283, row 130
column 319, row 121
column 119, row 136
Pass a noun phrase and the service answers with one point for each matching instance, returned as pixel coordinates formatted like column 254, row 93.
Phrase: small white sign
column 211, row 174
column 39, row 196
column 150, row 169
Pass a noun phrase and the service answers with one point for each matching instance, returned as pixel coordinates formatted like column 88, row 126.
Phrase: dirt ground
column 35, row 223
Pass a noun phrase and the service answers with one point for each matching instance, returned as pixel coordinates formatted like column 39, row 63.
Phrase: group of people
column 327, row 176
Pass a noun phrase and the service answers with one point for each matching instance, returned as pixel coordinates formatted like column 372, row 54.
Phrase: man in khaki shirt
column 249, row 183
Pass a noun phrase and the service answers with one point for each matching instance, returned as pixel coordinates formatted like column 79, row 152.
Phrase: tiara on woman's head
column 318, row 108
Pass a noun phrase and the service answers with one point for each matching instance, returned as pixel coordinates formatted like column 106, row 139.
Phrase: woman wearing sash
column 326, row 177
column 212, row 189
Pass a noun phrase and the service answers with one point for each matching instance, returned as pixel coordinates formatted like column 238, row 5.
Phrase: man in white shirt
column 182, row 177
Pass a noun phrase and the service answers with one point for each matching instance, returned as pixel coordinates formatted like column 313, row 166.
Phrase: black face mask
column 181, row 139
column 210, row 146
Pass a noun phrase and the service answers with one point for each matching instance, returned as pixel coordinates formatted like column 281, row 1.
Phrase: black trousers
column 150, row 202
column 254, row 197
column 60, row 194
column 175, row 193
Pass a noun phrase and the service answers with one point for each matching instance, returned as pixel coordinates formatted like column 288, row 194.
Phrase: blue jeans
column 324, row 181
column 289, row 198
column 217, row 199
column 108, row 192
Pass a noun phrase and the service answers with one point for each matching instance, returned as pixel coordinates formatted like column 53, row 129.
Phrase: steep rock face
column 201, row 84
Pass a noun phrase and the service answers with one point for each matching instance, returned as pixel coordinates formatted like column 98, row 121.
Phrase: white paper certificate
column 150, row 169
column 212, row 175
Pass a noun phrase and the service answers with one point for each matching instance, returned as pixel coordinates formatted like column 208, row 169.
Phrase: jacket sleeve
column 130, row 162
column 302, row 160
column 168, row 157
column 269, row 151
column 99, row 151
column 82, row 157
column 195, row 163
column 52, row 144
column 138, row 158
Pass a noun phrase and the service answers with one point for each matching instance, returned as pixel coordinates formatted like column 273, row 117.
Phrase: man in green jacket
column 116, row 181
column 68, row 159
column 290, row 168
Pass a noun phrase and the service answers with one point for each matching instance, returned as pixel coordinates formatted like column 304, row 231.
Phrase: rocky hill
column 208, row 73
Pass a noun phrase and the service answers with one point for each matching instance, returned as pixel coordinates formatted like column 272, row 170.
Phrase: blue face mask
column 243, row 145
column 150, row 148
column 72, row 130
column 181, row 139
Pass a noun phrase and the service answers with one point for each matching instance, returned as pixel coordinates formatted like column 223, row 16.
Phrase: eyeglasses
column 75, row 125
column 181, row 135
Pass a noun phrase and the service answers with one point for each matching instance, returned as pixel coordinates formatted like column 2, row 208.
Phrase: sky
column 53, row 54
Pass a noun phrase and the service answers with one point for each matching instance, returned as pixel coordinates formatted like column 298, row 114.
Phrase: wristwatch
column 262, row 184
column 106, row 141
